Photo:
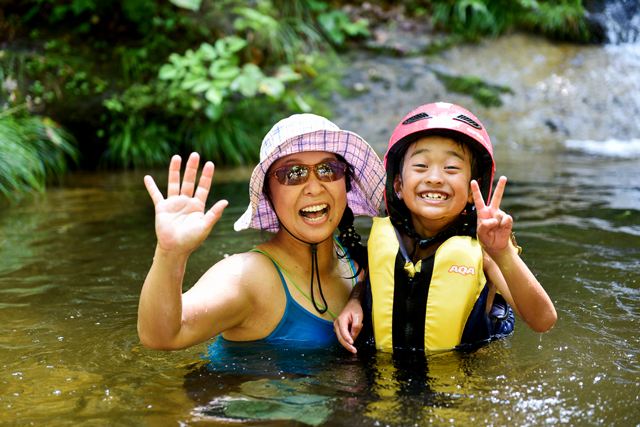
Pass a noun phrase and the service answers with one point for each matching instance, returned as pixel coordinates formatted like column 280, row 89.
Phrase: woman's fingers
column 173, row 188
column 204, row 185
column 213, row 215
column 152, row 188
column 190, row 174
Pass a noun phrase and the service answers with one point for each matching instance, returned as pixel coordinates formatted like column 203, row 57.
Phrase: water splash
column 610, row 148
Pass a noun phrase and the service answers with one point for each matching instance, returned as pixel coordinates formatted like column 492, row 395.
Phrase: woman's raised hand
column 494, row 225
column 181, row 222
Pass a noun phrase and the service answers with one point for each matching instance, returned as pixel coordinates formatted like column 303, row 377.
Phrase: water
column 72, row 266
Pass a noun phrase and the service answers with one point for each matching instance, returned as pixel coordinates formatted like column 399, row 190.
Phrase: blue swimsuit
column 298, row 324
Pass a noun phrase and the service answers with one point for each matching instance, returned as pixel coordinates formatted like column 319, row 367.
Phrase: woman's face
column 313, row 209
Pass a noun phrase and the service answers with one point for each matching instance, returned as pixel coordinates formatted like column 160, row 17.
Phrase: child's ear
column 397, row 186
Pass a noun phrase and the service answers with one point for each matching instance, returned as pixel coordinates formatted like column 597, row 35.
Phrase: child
column 436, row 260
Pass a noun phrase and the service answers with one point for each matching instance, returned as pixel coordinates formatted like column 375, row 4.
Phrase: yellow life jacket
column 426, row 305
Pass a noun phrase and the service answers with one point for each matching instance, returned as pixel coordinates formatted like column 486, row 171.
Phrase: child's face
column 435, row 183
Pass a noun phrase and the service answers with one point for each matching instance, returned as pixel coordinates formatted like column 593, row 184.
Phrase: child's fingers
column 477, row 195
column 487, row 226
column 341, row 328
column 497, row 194
column 506, row 221
column 345, row 332
column 152, row 188
column 356, row 327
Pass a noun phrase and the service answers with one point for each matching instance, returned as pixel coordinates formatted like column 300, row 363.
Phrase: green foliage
column 32, row 151
column 561, row 20
column 557, row 19
column 50, row 75
column 484, row 93
column 215, row 72
column 234, row 138
column 471, row 17
column 337, row 25
column 209, row 93
column 137, row 142
column 279, row 38
column 87, row 12
column 188, row 4
column 162, row 78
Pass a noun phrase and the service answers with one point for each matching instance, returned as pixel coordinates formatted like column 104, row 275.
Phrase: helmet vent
column 415, row 118
column 468, row 121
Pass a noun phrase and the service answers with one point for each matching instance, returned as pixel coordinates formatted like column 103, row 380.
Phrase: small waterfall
column 617, row 21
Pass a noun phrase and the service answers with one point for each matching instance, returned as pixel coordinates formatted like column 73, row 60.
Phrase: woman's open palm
column 181, row 221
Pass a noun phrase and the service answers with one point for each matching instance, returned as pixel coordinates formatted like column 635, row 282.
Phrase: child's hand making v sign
column 504, row 267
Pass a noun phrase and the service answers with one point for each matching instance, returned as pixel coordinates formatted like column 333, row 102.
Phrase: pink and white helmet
column 439, row 118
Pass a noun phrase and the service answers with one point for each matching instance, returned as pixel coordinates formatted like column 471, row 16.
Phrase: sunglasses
column 299, row 174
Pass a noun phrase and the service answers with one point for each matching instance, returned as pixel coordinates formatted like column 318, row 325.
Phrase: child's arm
column 349, row 323
column 506, row 270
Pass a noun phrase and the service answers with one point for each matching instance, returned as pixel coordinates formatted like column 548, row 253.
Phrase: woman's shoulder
column 245, row 267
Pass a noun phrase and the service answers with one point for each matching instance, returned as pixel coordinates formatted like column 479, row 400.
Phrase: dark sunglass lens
column 294, row 175
column 338, row 168
column 326, row 172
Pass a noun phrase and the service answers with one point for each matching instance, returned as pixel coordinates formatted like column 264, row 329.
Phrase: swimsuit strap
column 294, row 283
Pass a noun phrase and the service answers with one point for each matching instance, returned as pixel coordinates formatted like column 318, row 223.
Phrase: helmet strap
column 465, row 225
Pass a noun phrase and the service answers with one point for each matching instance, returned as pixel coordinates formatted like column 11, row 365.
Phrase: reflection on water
column 72, row 265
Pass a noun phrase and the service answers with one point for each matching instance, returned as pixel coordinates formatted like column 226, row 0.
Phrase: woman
column 312, row 176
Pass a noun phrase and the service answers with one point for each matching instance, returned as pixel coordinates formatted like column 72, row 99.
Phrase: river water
column 72, row 266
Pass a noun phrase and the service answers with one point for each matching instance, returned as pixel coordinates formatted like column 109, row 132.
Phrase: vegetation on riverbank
column 126, row 84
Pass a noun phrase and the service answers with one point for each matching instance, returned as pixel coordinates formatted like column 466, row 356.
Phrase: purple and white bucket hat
column 308, row 132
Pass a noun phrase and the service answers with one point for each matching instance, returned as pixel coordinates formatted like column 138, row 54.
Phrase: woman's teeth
column 314, row 213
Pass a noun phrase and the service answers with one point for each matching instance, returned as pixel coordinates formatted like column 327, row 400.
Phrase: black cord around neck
column 315, row 271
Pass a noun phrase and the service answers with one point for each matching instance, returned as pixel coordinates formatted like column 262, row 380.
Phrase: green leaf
column 201, row 87
column 167, row 72
column 187, row 4
column 176, row 59
column 191, row 81
column 235, row 43
column 214, row 96
column 221, row 84
column 221, row 48
column 271, row 86
column 252, row 71
column 286, row 74
column 246, row 85
column 228, row 73
column 302, row 105
column 208, row 52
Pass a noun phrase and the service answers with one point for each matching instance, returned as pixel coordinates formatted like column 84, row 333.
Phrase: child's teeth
column 434, row 196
